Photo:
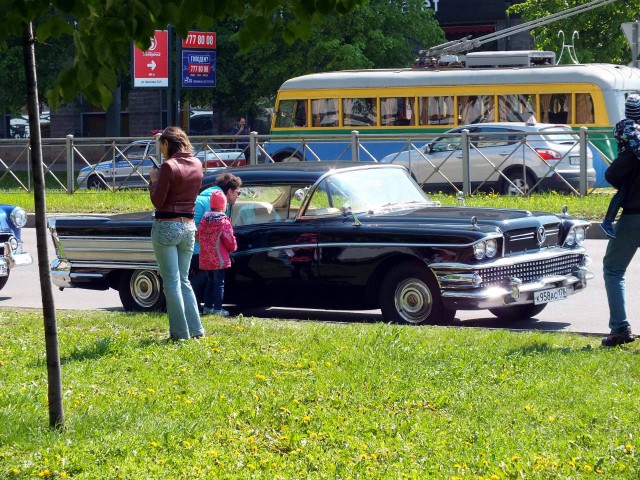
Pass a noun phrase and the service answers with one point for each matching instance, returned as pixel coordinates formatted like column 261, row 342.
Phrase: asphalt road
column 585, row 312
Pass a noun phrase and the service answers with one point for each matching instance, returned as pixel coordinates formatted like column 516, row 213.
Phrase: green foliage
column 51, row 54
column 104, row 31
column 380, row 34
column 591, row 207
column 274, row 399
column 601, row 38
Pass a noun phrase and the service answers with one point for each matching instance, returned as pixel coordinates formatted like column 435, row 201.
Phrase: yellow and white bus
column 432, row 100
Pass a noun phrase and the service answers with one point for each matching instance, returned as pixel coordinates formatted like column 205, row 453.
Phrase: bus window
column 584, row 109
column 556, row 108
column 291, row 113
column 476, row 109
column 359, row 112
column 324, row 112
column 515, row 108
column 436, row 110
column 397, row 111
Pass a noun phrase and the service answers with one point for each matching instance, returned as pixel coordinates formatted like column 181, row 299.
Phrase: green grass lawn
column 591, row 207
column 269, row 399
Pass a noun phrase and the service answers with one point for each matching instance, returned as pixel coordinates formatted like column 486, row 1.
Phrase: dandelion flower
column 259, row 376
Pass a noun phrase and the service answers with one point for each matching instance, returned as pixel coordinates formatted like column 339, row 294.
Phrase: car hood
column 480, row 217
column 522, row 230
column 106, row 164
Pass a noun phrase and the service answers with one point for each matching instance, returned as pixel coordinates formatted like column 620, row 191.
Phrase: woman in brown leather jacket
column 173, row 190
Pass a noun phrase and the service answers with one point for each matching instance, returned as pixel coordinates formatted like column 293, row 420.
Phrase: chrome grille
column 530, row 272
column 526, row 239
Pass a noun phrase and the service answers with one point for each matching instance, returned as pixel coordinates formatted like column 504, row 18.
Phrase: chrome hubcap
column 145, row 288
column 413, row 300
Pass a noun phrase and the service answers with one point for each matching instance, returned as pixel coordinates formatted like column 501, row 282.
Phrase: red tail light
column 213, row 163
column 548, row 154
column 239, row 162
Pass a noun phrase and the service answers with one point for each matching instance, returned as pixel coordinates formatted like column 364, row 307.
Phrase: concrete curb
column 594, row 233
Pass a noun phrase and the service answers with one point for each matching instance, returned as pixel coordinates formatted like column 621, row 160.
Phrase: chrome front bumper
column 15, row 258
column 463, row 287
column 517, row 294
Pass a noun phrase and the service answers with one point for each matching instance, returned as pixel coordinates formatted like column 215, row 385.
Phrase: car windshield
column 372, row 189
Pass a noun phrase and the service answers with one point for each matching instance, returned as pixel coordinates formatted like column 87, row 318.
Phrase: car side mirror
column 347, row 212
column 428, row 148
column 299, row 194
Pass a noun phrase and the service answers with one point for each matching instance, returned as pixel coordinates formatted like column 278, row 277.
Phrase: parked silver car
column 133, row 163
column 511, row 158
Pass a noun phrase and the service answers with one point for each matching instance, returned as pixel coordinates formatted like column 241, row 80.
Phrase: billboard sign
column 151, row 67
column 198, row 68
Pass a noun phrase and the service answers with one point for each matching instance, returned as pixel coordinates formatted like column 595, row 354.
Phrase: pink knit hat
column 218, row 201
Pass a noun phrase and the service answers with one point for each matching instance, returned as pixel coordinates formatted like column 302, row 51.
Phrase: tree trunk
column 54, row 373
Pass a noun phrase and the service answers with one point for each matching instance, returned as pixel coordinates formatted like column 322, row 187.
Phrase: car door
column 275, row 263
column 129, row 169
column 443, row 165
column 492, row 147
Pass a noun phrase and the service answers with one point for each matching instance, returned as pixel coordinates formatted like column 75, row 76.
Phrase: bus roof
column 606, row 76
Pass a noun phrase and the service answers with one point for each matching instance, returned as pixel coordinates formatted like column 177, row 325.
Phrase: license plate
column 550, row 295
column 3, row 269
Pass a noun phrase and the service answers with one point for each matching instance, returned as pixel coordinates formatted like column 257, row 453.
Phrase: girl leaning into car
column 173, row 191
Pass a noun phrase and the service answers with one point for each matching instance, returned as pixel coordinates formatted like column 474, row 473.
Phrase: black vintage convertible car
column 347, row 236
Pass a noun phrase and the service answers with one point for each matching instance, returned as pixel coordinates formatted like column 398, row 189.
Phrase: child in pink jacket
column 217, row 241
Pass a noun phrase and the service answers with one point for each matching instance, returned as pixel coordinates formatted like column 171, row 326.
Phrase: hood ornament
column 541, row 235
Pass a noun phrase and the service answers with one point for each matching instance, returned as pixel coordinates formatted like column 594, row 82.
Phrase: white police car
column 132, row 164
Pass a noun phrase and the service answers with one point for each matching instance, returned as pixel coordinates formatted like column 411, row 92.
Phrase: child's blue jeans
column 216, row 285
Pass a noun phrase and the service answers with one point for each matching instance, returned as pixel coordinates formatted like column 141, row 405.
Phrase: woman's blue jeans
column 173, row 247
column 620, row 252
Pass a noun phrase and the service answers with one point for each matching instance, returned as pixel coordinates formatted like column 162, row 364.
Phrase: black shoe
column 618, row 338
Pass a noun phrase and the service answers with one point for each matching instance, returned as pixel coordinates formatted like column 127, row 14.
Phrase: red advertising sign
column 200, row 40
column 151, row 68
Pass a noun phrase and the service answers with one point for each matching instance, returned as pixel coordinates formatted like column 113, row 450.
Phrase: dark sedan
column 347, row 236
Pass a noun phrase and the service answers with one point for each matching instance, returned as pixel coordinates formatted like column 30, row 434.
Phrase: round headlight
column 571, row 238
column 13, row 243
column 580, row 235
column 479, row 250
column 18, row 217
column 491, row 247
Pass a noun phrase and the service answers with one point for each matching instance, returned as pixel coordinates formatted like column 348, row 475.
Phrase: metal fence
column 467, row 163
